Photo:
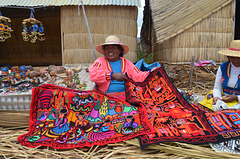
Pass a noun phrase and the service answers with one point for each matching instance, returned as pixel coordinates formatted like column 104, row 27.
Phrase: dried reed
column 130, row 149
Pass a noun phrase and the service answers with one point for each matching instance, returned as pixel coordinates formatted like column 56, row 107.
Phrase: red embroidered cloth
column 174, row 119
column 65, row 118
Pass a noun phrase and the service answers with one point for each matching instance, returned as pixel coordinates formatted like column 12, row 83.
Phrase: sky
column 140, row 17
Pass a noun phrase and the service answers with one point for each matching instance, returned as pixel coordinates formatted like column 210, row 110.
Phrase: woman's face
column 61, row 116
column 112, row 52
column 128, row 120
column 235, row 61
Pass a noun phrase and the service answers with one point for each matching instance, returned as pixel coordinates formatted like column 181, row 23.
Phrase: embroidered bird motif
column 43, row 117
column 52, row 115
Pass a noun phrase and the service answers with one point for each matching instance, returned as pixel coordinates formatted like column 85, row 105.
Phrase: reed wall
column 203, row 40
column 102, row 21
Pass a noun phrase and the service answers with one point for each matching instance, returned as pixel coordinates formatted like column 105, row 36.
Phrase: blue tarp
column 141, row 65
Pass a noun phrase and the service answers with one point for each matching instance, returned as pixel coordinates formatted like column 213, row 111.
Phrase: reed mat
column 130, row 149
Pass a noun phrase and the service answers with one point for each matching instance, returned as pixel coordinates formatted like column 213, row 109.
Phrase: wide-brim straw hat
column 112, row 40
column 233, row 50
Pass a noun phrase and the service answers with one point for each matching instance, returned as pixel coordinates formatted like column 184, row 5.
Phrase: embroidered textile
column 173, row 118
column 65, row 118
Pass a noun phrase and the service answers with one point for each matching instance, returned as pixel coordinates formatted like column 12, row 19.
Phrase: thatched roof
column 172, row 17
column 43, row 3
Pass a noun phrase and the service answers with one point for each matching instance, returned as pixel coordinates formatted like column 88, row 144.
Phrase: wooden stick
column 191, row 72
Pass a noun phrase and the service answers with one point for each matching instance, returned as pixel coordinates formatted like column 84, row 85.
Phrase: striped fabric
column 228, row 69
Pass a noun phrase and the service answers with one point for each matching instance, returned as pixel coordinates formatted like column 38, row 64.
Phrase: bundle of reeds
column 14, row 118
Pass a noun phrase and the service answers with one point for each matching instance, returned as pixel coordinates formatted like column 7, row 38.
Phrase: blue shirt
column 116, row 86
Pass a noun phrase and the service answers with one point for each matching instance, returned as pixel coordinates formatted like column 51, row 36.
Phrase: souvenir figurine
column 44, row 75
column 23, row 68
column 4, row 70
column 17, row 76
column 23, row 75
column 76, row 79
column 31, row 74
column 78, row 69
column 57, row 69
column 53, row 77
column 69, row 78
column 15, row 69
column 40, row 70
column 12, row 79
column 68, row 81
column 35, row 80
column 87, row 69
column 82, row 86
column 5, row 80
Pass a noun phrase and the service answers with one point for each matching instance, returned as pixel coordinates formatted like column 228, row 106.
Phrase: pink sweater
column 100, row 72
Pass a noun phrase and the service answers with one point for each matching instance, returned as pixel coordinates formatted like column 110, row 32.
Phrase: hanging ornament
column 32, row 29
column 5, row 28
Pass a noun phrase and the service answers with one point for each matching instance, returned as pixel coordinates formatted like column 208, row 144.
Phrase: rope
column 88, row 28
column 32, row 11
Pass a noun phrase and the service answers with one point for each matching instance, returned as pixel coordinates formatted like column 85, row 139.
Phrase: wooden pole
column 191, row 72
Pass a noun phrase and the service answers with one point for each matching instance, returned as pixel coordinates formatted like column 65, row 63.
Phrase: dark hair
column 107, row 121
column 119, row 47
column 132, row 118
column 80, row 114
column 63, row 111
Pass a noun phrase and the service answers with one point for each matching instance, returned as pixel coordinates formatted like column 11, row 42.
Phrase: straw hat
column 233, row 50
column 110, row 40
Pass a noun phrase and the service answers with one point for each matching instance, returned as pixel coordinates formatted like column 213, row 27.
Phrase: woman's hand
column 215, row 99
column 229, row 98
column 119, row 76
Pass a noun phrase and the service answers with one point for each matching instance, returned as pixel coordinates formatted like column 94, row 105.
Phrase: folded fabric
column 231, row 146
column 208, row 101
column 220, row 105
column 143, row 66
column 65, row 118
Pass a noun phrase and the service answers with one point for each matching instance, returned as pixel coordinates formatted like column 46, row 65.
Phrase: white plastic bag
column 220, row 105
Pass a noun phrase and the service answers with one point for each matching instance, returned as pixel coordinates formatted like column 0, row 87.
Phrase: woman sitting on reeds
column 109, row 71
column 226, row 92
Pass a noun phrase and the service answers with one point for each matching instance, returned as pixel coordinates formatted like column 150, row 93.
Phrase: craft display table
column 18, row 104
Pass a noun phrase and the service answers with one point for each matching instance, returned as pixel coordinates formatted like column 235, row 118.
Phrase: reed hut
column 68, row 38
column 175, row 31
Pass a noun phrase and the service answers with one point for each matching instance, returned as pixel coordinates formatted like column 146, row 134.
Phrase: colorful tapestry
column 65, row 118
column 173, row 118
column 225, row 123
